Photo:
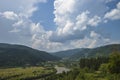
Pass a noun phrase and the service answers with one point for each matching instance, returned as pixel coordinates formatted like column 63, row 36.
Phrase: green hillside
column 66, row 53
column 76, row 54
column 104, row 51
column 19, row 55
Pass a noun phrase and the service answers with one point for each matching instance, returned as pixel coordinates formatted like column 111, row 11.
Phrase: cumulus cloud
column 63, row 6
column 9, row 15
column 69, row 28
column 40, row 40
column 94, row 21
column 75, row 22
column 114, row 14
column 81, row 21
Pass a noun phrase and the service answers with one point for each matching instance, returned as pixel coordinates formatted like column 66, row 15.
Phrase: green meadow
column 24, row 73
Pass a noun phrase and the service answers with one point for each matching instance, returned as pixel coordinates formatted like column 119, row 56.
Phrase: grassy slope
column 24, row 73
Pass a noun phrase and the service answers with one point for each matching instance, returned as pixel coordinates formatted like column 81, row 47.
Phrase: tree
column 114, row 63
column 103, row 68
column 92, row 63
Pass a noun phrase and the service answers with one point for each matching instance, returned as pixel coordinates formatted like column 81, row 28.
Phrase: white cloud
column 114, row 14
column 81, row 21
column 21, row 7
column 94, row 21
column 73, row 28
column 67, row 28
column 36, row 28
column 63, row 6
column 73, row 18
column 41, row 41
column 9, row 15
column 18, row 23
column 93, row 34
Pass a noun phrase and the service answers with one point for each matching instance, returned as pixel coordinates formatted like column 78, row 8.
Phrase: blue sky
column 45, row 15
column 54, row 25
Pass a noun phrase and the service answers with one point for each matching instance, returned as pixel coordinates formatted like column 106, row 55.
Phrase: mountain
column 66, row 53
column 96, row 52
column 76, row 54
column 19, row 55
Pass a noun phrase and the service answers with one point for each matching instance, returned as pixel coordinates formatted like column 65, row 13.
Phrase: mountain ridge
column 89, row 52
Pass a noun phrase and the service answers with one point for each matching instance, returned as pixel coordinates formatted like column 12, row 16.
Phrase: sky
column 55, row 25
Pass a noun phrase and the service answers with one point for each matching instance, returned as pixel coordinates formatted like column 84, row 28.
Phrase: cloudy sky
column 54, row 25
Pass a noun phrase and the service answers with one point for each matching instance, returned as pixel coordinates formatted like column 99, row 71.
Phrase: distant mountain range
column 19, row 55
column 76, row 54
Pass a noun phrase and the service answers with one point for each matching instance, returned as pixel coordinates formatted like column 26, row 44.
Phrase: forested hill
column 104, row 51
column 87, row 52
column 19, row 55
column 66, row 53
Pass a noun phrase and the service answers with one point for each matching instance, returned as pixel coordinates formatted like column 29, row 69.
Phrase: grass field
column 24, row 73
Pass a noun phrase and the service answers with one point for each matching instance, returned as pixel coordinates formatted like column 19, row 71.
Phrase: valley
column 18, row 62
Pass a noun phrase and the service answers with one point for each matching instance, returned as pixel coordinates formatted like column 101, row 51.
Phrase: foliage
column 92, row 63
column 103, row 68
column 114, row 63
